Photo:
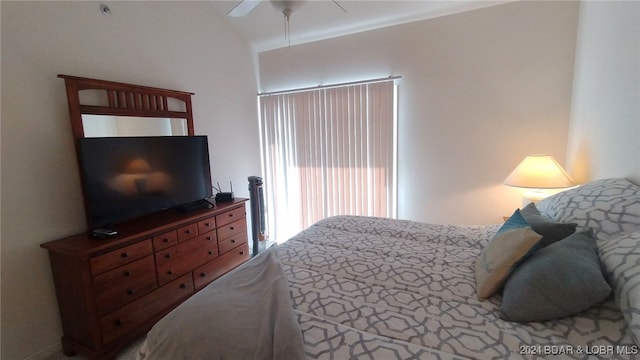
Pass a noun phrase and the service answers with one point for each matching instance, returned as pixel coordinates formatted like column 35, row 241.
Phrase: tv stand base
column 194, row 206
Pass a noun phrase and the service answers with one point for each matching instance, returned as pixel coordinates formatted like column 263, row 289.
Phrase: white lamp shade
column 539, row 172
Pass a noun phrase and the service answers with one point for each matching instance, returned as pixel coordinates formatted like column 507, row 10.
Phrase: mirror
column 116, row 125
column 100, row 108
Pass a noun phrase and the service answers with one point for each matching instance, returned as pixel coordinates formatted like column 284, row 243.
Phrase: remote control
column 103, row 233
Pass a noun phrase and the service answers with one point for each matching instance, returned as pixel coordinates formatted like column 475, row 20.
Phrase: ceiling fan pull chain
column 287, row 26
column 286, row 30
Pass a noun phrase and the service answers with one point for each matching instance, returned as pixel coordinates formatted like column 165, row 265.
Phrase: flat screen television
column 128, row 177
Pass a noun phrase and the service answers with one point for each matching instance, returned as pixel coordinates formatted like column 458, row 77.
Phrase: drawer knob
column 170, row 272
column 241, row 252
column 166, row 240
column 127, row 273
column 129, row 292
column 117, row 322
column 203, row 274
column 183, row 286
column 232, row 228
column 209, row 238
column 168, row 256
column 207, row 224
column 124, row 255
column 233, row 241
column 188, row 231
column 210, row 252
column 231, row 215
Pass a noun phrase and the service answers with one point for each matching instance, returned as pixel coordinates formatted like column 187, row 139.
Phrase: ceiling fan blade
column 243, row 8
column 340, row 6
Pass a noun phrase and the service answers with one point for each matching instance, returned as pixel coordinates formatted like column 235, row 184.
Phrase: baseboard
column 51, row 352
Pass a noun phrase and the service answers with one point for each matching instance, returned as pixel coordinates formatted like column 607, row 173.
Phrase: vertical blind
column 326, row 152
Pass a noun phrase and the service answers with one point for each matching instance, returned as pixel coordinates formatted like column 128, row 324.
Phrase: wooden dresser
column 110, row 292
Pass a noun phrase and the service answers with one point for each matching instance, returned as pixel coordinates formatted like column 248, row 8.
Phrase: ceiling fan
column 244, row 7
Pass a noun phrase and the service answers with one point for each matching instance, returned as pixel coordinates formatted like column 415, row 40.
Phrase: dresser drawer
column 206, row 225
column 232, row 242
column 223, row 264
column 231, row 229
column 125, row 255
column 183, row 257
column 230, row 216
column 165, row 240
column 124, row 284
column 187, row 232
column 134, row 314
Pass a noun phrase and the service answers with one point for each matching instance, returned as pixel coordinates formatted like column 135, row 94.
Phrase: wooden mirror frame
column 124, row 100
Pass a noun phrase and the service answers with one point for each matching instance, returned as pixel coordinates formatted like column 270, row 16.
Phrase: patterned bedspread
column 370, row 288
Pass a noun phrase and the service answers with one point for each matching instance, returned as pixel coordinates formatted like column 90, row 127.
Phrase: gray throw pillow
column 562, row 279
column 610, row 207
column 550, row 230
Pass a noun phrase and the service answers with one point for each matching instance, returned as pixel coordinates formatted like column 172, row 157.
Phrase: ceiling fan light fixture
column 287, row 12
column 282, row 5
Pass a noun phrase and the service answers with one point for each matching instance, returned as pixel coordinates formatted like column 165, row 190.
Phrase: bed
column 352, row 287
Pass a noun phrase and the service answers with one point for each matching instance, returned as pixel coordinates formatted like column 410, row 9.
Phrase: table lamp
column 538, row 172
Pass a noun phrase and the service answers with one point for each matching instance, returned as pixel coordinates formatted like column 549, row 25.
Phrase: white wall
column 176, row 45
column 479, row 91
column 605, row 118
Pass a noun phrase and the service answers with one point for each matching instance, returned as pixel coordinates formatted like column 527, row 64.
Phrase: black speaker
column 258, row 221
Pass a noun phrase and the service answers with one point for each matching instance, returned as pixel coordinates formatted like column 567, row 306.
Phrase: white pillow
column 609, row 206
column 621, row 259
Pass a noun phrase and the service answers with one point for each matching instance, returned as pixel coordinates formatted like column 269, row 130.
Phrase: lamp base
column 533, row 196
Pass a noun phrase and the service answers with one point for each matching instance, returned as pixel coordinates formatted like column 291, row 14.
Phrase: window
column 328, row 151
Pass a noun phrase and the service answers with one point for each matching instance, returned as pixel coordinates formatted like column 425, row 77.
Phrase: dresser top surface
column 139, row 229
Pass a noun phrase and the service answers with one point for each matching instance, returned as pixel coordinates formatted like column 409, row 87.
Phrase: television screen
column 127, row 177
